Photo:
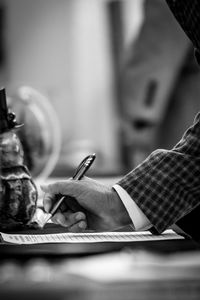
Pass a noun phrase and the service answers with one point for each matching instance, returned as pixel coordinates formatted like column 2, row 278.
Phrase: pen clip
column 86, row 162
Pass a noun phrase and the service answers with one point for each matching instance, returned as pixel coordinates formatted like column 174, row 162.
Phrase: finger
column 59, row 219
column 78, row 227
column 68, row 219
column 48, row 201
column 71, row 188
column 79, row 216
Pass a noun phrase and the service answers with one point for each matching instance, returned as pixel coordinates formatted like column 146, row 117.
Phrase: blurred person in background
column 158, row 75
column 161, row 191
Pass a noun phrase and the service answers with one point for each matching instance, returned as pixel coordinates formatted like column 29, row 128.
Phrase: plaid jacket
column 166, row 186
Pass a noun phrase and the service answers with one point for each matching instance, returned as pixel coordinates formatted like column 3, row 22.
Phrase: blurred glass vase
column 41, row 135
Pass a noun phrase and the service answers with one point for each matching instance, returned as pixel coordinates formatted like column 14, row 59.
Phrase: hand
column 98, row 206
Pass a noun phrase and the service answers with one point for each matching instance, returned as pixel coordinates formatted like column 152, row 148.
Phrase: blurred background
column 117, row 78
column 114, row 77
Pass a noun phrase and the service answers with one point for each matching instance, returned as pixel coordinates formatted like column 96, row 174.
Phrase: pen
column 79, row 173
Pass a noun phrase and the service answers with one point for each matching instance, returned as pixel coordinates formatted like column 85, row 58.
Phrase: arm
column 166, row 186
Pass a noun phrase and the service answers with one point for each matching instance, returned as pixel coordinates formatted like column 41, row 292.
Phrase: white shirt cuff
column 138, row 218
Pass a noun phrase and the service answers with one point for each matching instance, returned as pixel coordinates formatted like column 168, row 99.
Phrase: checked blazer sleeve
column 166, row 186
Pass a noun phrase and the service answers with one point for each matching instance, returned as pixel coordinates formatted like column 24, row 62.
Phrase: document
column 87, row 237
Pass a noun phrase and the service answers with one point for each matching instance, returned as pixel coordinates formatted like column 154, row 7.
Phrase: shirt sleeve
column 138, row 218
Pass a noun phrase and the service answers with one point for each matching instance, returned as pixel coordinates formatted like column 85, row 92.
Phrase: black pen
column 79, row 173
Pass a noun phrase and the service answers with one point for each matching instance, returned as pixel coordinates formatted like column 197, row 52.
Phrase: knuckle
column 80, row 215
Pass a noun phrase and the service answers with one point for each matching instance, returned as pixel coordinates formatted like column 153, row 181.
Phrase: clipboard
column 54, row 250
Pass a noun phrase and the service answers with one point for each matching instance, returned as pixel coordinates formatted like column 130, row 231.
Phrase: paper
column 88, row 237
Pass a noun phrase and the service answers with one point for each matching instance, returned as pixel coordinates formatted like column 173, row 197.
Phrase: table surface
column 38, row 271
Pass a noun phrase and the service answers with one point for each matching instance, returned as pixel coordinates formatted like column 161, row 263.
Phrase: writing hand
column 99, row 206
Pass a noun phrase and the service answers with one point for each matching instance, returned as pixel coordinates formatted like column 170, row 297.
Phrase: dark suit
column 166, row 186
column 187, row 14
